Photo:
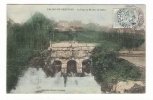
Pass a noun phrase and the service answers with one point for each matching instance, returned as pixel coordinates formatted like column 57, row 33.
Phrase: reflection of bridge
column 72, row 57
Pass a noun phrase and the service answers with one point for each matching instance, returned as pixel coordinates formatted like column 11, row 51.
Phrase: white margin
column 149, row 54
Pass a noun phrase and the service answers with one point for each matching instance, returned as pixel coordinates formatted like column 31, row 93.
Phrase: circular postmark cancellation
column 130, row 17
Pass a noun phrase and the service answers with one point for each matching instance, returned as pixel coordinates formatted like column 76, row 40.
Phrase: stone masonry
column 65, row 52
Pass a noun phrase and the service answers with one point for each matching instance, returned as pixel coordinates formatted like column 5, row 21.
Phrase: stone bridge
column 71, row 57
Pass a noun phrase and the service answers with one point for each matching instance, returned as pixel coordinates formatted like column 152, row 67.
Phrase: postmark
column 128, row 18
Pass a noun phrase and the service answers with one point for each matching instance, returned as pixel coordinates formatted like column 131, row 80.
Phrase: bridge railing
column 80, row 48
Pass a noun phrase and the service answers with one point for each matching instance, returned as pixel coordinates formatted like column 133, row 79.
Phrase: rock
column 136, row 89
column 122, row 87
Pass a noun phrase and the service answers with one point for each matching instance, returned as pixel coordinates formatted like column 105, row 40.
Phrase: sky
column 21, row 13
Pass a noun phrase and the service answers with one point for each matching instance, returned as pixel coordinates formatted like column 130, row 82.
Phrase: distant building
column 69, row 26
column 62, row 23
column 76, row 24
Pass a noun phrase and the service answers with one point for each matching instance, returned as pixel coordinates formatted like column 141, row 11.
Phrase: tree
column 126, row 40
column 23, row 41
column 108, row 69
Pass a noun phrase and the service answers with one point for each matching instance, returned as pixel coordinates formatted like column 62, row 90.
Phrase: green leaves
column 22, row 40
column 107, row 66
column 105, row 59
column 125, row 40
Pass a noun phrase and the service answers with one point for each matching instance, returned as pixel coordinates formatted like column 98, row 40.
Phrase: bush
column 126, row 40
column 108, row 68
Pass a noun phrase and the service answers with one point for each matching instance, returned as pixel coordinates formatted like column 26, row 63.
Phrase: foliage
column 25, row 42
column 126, row 40
column 37, row 31
column 92, row 27
column 109, row 68
column 80, row 36
column 16, row 64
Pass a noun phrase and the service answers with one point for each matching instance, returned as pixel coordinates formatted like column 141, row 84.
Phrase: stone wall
column 71, row 52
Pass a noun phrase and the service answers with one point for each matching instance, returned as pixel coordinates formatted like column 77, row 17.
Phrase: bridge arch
column 72, row 66
column 57, row 66
column 86, row 64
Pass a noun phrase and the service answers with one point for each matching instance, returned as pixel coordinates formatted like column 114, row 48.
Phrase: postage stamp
column 75, row 49
column 128, row 17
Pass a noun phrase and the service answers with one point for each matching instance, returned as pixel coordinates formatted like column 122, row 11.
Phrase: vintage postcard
column 76, row 49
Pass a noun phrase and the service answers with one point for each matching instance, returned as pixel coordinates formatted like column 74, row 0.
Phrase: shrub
column 108, row 68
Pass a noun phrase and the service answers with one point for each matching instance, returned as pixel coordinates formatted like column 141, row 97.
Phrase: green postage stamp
column 75, row 49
